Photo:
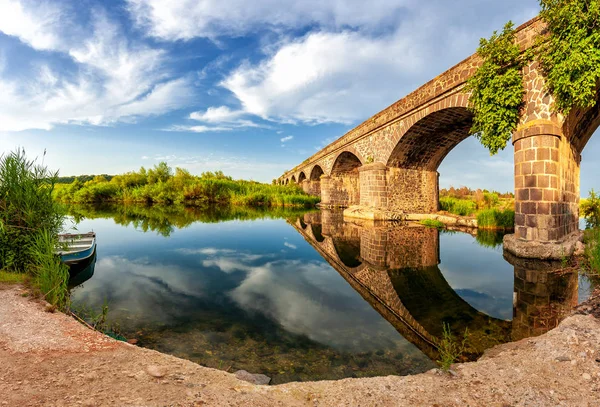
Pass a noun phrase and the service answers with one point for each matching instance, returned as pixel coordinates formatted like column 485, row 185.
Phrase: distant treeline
column 162, row 185
column 465, row 192
column 82, row 178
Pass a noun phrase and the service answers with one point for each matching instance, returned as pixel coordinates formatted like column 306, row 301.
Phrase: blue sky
column 249, row 88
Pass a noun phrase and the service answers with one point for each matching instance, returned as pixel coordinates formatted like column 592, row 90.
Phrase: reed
column 496, row 219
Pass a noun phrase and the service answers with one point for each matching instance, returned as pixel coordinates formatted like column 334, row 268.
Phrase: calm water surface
column 307, row 296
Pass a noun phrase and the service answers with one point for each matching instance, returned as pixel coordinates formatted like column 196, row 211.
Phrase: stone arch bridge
column 388, row 164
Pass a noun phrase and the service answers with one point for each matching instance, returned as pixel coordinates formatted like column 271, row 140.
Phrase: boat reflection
column 82, row 274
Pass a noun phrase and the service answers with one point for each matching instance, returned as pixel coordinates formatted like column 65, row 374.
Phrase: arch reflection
column 395, row 267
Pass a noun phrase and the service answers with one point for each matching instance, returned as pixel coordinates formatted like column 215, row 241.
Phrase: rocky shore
column 50, row 359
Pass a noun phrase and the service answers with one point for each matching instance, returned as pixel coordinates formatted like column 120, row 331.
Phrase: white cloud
column 223, row 115
column 291, row 246
column 326, row 77
column 286, row 138
column 197, row 129
column 187, row 19
column 113, row 79
column 34, row 24
column 351, row 65
column 216, row 114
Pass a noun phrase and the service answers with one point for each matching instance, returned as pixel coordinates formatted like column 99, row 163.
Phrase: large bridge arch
column 342, row 187
column 301, row 177
column 412, row 180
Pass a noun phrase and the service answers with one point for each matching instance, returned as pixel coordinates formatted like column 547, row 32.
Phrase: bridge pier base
column 340, row 190
column 389, row 193
column 546, row 193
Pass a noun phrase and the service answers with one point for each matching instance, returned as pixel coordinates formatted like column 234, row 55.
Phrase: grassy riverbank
column 493, row 210
column 162, row 185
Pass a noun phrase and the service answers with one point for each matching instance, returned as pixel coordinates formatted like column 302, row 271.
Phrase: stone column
column 373, row 186
column 412, row 190
column 340, row 189
column 325, row 190
column 546, row 193
column 315, row 188
column 306, row 186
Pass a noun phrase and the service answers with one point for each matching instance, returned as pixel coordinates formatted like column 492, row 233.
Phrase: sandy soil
column 52, row 360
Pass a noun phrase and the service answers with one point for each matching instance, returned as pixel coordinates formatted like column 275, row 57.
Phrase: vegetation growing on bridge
column 497, row 90
column 163, row 186
column 570, row 54
column 570, row 59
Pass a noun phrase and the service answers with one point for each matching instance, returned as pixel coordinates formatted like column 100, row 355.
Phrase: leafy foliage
column 590, row 209
column 570, row 55
column 497, row 90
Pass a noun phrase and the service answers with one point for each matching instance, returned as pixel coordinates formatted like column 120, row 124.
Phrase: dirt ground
column 49, row 359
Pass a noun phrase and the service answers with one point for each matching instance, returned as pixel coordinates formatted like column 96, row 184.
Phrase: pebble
column 563, row 359
column 586, row 376
column 155, row 371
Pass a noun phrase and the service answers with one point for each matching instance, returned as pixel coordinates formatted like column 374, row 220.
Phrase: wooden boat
column 76, row 250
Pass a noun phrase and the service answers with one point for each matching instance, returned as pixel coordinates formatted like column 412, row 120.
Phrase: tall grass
column 462, row 207
column 50, row 274
column 30, row 221
column 450, row 348
column 496, row 219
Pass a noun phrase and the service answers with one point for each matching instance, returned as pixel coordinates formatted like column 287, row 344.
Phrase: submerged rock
column 252, row 378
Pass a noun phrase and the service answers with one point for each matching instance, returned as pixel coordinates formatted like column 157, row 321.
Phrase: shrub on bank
column 590, row 210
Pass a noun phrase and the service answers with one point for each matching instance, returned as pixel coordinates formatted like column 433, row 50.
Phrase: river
column 301, row 295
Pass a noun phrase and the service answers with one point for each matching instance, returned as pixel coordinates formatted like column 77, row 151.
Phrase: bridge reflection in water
column 395, row 268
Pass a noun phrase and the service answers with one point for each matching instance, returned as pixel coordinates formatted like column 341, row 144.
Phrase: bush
column 590, row 209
